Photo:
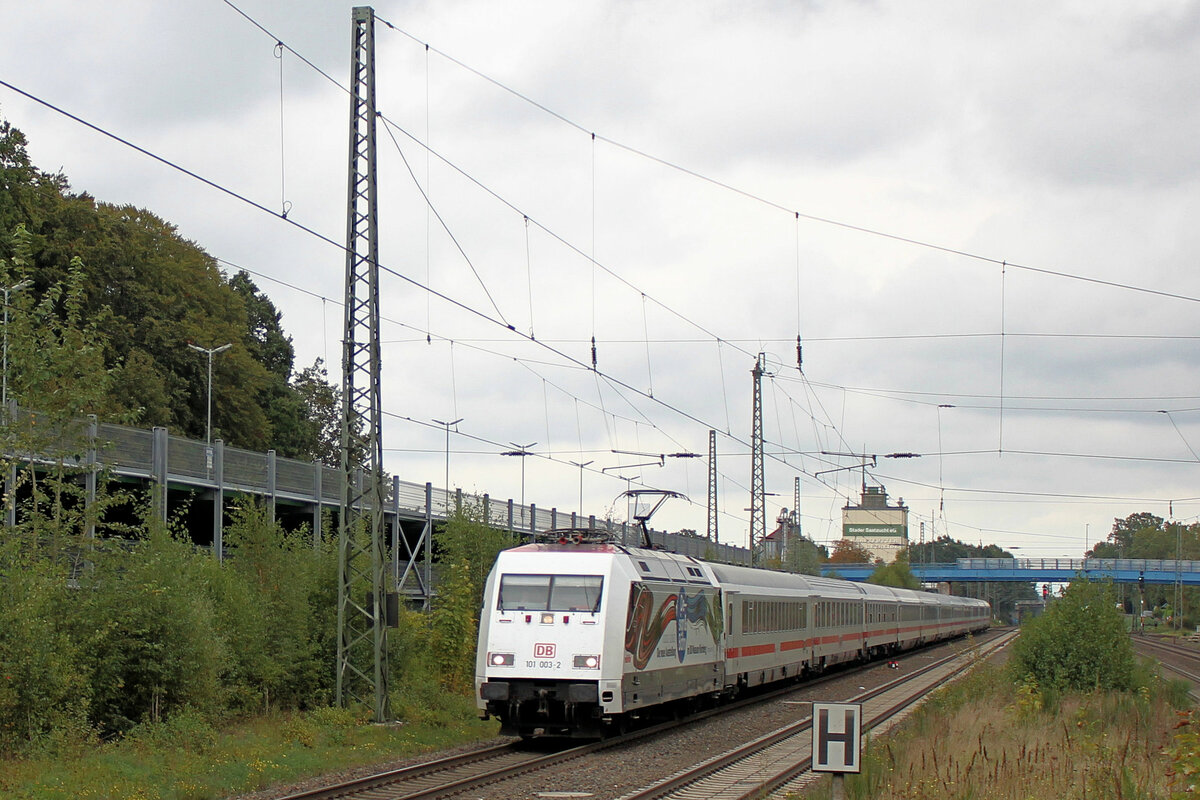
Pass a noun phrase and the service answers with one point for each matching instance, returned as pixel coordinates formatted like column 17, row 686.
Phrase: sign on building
column 837, row 737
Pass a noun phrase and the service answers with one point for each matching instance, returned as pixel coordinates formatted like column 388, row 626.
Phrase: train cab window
column 550, row 592
column 575, row 593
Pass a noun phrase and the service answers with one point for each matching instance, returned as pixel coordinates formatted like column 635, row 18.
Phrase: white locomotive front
column 574, row 635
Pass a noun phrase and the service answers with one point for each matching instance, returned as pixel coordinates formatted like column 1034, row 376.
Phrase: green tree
column 56, row 366
column 805, row 557
column 146, row 630
column 897, row 573
column 25, row 191
column 270, row 604
column 468, row 547
column 1148, row 536
column 1078, row 644
column 320, row 404
column 45, row 693
column 155, row 292
column 467, row 537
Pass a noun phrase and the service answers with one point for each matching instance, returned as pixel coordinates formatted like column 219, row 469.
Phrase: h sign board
column 837, row 737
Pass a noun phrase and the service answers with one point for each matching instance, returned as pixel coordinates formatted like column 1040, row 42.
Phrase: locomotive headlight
column 587, row 662
column 501, row 659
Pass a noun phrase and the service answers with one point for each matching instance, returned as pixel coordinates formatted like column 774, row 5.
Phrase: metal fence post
column 159, row 442
column 396, row 530
column 218, row 453
column 271, row 487
column 318, row 505
column 428, row 540
column 89, row 503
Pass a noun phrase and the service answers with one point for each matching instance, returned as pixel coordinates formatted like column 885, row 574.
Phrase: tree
column 25, row 191
column 157, row 291
column 898, row 574
column 848, row 551
column 321, row 404
column 804, row 556
column 468, row 547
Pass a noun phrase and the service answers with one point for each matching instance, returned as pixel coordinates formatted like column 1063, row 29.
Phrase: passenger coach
column 579, row 634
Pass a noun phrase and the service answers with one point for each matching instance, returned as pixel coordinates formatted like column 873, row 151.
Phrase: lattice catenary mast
column 362, row 630
column 712, row 486
column 758, row 483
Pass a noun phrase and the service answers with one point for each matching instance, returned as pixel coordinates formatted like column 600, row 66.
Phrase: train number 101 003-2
column 543, row 664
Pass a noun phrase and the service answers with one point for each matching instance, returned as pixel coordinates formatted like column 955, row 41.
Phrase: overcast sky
column 980, row 218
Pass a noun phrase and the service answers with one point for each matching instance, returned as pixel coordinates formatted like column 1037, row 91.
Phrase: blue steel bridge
column 1038, row 570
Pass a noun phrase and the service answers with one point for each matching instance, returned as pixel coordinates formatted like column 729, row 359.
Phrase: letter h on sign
column 836, row 743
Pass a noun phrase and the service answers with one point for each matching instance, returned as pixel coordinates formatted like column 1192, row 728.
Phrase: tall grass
column 986, row 737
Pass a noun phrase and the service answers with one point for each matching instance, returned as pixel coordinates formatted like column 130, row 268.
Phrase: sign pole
column 839, row 786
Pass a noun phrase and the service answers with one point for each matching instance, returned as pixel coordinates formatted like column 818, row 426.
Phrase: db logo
column 543, row 651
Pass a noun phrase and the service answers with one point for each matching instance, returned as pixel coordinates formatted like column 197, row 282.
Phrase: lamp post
column 4, row 392
column 581, row 466
column 211, row 351
column 521, row 451
column 447, row 425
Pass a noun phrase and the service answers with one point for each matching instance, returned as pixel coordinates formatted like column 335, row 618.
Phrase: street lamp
column 581, row 466
column 447, row 427
column 211, row 351
column 4, row 391
column 521, row 451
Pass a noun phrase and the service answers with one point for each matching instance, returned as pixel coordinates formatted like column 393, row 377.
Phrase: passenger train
column 578, row 634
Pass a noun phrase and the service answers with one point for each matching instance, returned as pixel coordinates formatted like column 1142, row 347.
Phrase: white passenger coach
column 579, row 634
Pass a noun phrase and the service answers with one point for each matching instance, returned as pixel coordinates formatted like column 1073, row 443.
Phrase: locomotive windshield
column 550, row 592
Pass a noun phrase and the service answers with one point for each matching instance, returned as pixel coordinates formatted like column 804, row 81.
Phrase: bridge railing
column 155, row 454
column 1078, row 564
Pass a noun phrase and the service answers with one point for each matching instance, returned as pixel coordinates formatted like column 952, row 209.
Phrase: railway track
column 455, row 774
column 1178, row 659
column 782, row 759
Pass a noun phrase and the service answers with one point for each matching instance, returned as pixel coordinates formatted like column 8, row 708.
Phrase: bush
column 274, row 607
column 187, row 730
column 1079, row 644
column 468, row 550
column 147, row 632
column 44, row 688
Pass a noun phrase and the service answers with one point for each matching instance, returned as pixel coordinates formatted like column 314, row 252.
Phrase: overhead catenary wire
column 779, row 206
column 445, row 227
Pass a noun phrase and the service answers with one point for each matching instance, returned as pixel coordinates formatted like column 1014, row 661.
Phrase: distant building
column 879, row 528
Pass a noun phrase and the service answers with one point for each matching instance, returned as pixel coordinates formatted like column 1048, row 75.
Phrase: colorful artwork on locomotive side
column 650, row 615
